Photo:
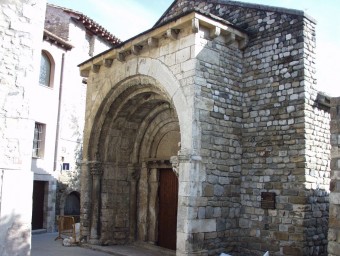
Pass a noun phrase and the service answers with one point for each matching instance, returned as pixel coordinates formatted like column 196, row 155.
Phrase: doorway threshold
column 39, row 231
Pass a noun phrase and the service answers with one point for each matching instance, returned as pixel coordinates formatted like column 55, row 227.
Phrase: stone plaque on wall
column 268, row 200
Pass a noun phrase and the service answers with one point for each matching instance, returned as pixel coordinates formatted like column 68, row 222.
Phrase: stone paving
column 45, row 244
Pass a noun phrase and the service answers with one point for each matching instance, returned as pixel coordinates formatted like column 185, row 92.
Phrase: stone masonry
column 237, row 82
column 334, row 223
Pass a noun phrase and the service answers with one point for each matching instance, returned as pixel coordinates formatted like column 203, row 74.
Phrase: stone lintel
column 158, row 163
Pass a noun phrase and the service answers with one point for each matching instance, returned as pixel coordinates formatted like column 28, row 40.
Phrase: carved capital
column 96, row 168
column 175, row 164
column 134, row 172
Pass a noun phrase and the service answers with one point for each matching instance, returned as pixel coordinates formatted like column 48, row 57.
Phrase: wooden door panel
column 168, row 200
column 38, row 205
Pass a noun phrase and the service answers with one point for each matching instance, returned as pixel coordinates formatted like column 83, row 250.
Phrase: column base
column 94, row 241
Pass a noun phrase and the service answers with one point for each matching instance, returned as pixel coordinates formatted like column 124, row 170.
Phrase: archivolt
column 127, row 110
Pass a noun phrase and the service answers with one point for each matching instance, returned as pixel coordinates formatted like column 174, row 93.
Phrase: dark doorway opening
column 38, row 204
column 72, row 204
column 168, row 200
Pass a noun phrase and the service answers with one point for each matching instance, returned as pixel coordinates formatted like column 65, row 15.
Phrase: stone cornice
column 170, row 30
column 54, row 39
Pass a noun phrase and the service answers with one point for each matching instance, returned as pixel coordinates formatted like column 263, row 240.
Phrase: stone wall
column 254, row 159
column 20, row 58
column 334, row 209
column 58, row 22
column 278, row 150
column 219, row 75
column 278, row 112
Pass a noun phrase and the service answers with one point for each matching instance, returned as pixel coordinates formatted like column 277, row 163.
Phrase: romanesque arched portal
column 135, row 133
column 139, row 135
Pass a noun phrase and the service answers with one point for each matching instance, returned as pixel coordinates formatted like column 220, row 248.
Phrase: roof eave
column 251, row 6
column 49, row 36
column 169, row 29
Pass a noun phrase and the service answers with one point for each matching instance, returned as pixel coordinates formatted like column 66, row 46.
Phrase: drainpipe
column 58, row 116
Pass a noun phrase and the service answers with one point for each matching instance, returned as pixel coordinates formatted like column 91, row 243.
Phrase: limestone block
column 334, row 198
column 170, row 59
column 192, row 201
column 190, row 188
column 164, row 50
column 209, row 56
column 201, row 225
column 183, row 55
column 188, row 65
column 333, row 248
column 181, row 242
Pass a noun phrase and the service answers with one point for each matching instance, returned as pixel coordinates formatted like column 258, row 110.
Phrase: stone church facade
column 208, row 128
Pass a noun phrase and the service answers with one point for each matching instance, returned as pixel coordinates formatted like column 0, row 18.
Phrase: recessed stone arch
column 132, row 119
column 137, row 71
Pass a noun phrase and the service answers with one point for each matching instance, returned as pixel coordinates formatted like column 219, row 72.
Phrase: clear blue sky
column 127, row 18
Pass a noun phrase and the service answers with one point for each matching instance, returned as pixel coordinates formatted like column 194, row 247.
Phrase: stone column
column 152, row 208
column 96, row 170
column 190, row 229
column 85, row 199
column 134, row 174
column 142, row 204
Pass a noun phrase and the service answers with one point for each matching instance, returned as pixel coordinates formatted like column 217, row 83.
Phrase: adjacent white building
column 21, row 31
column 58, row 112
column 42, row 104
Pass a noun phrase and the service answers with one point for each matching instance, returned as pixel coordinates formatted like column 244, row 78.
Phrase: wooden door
column 167, row 218
column 38, row 205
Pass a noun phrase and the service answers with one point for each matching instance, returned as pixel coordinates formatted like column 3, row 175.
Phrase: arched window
column 45, row 70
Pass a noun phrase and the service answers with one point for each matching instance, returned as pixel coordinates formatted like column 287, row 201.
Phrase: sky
column 127, row 18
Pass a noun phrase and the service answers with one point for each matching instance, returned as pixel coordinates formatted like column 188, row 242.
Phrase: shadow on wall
column 316, row 214
column 15, row 236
